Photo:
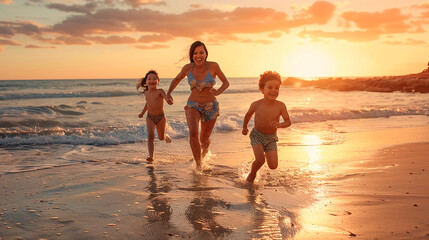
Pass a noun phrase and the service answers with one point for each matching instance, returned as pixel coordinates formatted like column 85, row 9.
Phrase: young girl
column 155, row 109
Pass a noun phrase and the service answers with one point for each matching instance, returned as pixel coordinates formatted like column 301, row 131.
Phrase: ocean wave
column 75, row 94
column 86, row 136
column 57, row 131
column 42, row 111
column 313, row 115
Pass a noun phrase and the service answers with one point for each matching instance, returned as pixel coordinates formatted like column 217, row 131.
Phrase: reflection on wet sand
column 202, row 213
column 270, row 223
column 160, row 211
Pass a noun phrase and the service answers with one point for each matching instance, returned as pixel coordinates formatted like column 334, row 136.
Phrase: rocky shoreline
column 406, row 83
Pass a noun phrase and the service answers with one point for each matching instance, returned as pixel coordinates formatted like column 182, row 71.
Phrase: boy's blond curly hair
column 268, row 76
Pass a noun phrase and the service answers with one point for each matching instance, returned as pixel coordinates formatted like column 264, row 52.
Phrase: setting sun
column 309, row 61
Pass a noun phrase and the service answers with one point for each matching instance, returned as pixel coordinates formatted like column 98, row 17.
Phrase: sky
column 85, row 39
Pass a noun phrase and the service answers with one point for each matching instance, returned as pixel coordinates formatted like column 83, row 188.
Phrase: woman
column 202, row 105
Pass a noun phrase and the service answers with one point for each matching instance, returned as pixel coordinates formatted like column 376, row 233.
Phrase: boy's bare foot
column 149, row 159
column 250, row 178
column 167, row 138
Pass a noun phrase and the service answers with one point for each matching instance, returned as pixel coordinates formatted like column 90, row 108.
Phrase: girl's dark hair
column 192, row 50
column 141, row 83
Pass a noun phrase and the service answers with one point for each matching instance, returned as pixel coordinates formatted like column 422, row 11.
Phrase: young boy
column 267, row 112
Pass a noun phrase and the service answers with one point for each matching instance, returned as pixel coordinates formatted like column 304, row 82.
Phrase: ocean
column 51, row 123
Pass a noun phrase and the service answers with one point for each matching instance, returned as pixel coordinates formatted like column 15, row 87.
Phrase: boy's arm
column 286, row 119
column 247, row 118
column 143, row 111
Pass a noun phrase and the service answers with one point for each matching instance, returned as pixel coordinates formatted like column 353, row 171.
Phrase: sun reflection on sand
column 312, row 147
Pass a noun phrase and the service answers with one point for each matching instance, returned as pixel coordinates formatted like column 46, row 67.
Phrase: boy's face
column 152, row 81
column 271, row 90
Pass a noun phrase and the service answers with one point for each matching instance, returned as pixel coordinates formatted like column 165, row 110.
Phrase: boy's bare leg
column 206, row 131
column 192, row 118
column 272, row 159
column 258, row 150
column 150, row 138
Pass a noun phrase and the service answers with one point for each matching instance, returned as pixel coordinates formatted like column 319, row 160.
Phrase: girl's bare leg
column 258, row 150
column 160, row 129
column 193, row 118
column 150, row 138
column 206, row 131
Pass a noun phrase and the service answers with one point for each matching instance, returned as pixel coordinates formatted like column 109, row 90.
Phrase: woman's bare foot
column 204, row 152
column 149, row 159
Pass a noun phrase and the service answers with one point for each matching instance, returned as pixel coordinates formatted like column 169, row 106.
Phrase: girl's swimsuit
column 157, row 118
column 208, row 110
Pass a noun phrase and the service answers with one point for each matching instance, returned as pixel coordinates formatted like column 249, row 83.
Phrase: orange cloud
column 87, row 8
column 6, row 2
column 10, row 28
column 137, row 3
column 113, row 40
column 240, row 20
column 8, row 42
column 66, row 40
column 387, row 21
column 156, row 38
column 115, row 25
column 352, row 36
column 37, row 46
column 371, row 26
column 155, row 46
column 320, row 12
column 407, row 42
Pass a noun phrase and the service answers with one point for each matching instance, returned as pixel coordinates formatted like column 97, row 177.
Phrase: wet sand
column 374, row 186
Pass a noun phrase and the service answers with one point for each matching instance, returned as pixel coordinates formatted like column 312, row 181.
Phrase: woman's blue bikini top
column 208, row 81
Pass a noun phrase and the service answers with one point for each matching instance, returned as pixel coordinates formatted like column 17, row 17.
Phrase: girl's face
column 199, row 56
column 152, row 81
column 271, row 90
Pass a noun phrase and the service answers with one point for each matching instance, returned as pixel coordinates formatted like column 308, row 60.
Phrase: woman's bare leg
column 193, row 118
column 206, row 131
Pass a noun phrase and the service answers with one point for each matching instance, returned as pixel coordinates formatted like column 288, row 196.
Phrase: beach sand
column 373, row 186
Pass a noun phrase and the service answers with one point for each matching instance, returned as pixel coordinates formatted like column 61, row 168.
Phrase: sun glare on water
column 309, row 62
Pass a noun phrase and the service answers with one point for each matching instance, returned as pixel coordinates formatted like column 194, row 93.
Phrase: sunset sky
column 50, row 39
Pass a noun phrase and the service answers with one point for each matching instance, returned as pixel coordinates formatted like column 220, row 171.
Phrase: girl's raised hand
column 169, row 99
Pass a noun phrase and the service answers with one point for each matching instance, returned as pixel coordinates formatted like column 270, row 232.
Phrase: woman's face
column 199, row 56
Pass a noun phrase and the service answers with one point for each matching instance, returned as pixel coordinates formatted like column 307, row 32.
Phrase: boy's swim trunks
column 268, row 141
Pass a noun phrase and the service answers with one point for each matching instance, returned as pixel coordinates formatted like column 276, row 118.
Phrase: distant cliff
column 407, row 83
